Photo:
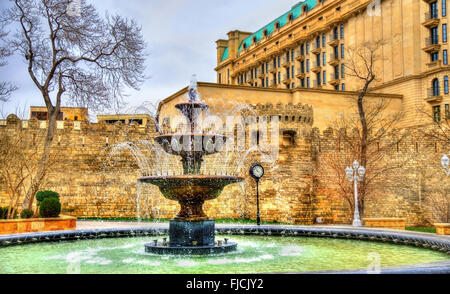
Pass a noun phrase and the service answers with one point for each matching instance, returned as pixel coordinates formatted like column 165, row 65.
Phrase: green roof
column 283, row 20
column 226, row 54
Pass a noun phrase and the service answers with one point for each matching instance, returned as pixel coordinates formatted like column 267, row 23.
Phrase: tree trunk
column 35, row 185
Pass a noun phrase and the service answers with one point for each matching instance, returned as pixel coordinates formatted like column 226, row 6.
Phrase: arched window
column 265, row 33
column 290, row 17
column 245, row 45
column 255, row 39
column 305, row 8
column 277, row 25
column 435, row 84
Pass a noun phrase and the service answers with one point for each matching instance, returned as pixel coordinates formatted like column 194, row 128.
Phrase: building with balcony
column 315, row 36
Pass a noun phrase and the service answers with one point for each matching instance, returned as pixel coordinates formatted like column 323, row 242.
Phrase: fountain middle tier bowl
column 191, row 191
column 191, row 143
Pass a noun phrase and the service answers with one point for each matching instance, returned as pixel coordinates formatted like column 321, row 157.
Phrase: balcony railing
column 434, row 95
column 299, row 55
column 431, row 15
column 432, row 41
column 333, row 39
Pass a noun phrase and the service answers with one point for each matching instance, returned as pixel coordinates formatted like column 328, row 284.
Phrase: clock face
column 258, row 171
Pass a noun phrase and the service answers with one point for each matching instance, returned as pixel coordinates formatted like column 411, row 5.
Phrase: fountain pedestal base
column 191, row 233
column 191, row 238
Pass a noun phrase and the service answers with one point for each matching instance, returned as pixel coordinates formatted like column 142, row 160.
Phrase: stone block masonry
column 92, row 183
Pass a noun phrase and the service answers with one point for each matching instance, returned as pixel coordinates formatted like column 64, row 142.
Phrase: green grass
column 423, row 230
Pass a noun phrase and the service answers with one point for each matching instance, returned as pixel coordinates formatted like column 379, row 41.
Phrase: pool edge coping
column 416, row 239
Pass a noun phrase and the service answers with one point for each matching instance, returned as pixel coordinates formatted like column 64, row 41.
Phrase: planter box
column 386, row 223
column 33, row 225
column 442, row 229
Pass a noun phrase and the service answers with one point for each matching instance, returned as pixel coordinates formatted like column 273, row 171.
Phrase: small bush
column 50, row 207
column 42, row 195
column 4, row 213
column 26, row 213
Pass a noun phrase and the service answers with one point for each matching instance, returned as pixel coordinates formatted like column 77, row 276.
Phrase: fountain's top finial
column 193, row 94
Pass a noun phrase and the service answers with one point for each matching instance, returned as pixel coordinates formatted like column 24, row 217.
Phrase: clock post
column 257, row 172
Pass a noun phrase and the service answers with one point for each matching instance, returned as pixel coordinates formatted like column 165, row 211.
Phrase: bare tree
column 6, row 88
column 20, row 152
column 79, row 59
column 369, row 135
column 381, row 141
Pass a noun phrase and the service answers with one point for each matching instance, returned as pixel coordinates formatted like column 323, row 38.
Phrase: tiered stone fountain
column 191, row 231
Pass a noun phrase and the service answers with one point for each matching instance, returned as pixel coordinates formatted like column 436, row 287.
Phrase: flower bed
column 19, row 226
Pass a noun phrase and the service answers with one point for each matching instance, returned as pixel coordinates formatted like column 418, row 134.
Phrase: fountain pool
column 255, row 254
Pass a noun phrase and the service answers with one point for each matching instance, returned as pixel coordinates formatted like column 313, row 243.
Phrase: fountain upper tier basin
column 191, row 191
column 193, row 144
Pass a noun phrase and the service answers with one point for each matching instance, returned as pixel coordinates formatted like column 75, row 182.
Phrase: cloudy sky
column 181, row 37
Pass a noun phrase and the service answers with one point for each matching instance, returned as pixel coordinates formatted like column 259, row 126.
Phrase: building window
column 437, row 113
column 265, row 33
column 324, row 58
column 342, row 70
column 335, row 33
column 336, row 87
column 318, row 77
column 293, row 85
column 434, row 36
column 324, row 77
column 291, row 17
column 279, row 61
column 267, row 82
column 318, row 42
column 292, row 54
column 446, row 85
column 274, row 79
column 342, row 31
column 288, row 73
column 293, row 71
column 434, row 9
column 447, row 111
column 302, row 82
column 324, row 40
column 267, row 67
column 307, row 82
column 302, row 49
column 318, row 59
column 307, row 47
column 307, row 65
column 444, row 33
column 277, row 25
column 343, row 87
column 255, row 39
column 435, row 84
column 220, row 78
column 342, row 51
column 434, row 56
column 279, row 77
column 445, row 56
column 263, row 83
column 444, row 8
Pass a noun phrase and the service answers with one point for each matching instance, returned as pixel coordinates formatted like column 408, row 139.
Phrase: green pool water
column 254, row 255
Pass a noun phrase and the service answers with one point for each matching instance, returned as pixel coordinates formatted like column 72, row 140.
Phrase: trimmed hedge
column 26, row 214
column 4, row 213
column 50, row 207
column 42, row 195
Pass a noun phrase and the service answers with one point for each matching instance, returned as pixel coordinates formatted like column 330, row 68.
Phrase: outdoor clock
column 257, row 171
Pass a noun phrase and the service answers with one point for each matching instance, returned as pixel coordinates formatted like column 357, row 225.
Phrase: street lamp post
column 356, row 174
column 257, row 172
column 445, row 161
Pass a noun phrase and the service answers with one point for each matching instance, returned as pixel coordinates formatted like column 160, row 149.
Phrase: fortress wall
column 294, row 190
